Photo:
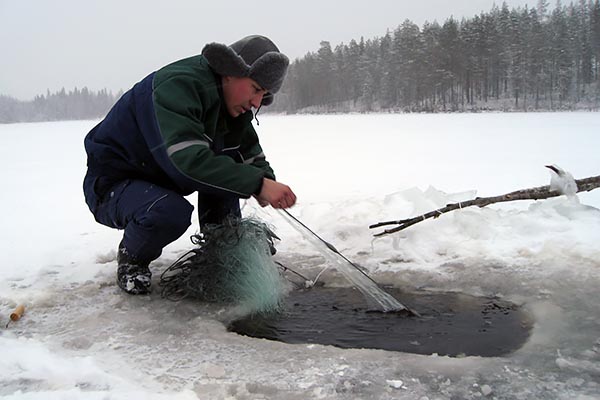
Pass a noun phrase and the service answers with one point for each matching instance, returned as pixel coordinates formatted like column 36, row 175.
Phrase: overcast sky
column 114, row 43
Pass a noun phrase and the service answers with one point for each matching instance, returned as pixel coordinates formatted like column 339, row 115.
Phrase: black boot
column 132, row 276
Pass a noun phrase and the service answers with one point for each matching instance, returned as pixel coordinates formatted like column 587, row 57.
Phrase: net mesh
column 231, row 264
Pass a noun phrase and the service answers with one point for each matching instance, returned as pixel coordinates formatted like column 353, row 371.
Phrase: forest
column 508, row 59
column 521, row 59
column 59, row 106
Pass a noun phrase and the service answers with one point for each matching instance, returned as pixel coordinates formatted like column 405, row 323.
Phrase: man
column 184, row 128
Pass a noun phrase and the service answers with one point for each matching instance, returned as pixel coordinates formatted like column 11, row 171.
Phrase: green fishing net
column 231, row 264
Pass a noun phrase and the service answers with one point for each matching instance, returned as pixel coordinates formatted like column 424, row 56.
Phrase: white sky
column 113, row 43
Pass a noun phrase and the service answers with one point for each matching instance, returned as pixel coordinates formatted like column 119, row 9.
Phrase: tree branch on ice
column 562, row 183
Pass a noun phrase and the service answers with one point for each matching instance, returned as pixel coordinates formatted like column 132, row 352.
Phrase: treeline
column 62, row 105
column 505, row 59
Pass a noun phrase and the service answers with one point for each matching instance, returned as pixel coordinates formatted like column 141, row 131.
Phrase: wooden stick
column 537, row 193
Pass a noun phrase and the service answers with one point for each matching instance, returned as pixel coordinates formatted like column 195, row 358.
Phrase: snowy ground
column 81, row 338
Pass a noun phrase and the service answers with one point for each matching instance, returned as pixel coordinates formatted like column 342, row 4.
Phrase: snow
column 562, row 181
column 81, row 338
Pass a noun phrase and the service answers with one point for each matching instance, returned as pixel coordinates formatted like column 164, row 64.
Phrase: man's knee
column 170, row 213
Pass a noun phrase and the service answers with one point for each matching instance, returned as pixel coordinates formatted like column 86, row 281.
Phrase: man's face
column 241, row 94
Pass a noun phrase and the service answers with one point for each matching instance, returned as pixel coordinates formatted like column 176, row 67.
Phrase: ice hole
column 451, row 324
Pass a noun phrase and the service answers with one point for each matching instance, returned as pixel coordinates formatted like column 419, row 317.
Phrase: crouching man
column 184, row 128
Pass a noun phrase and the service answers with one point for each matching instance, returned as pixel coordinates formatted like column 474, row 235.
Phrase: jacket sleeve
column 252, row 153
column 180, row 104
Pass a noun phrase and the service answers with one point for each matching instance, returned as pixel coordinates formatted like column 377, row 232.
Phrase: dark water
column 450, row 324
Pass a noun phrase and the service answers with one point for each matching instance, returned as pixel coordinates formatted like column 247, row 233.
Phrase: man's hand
column 275, row 194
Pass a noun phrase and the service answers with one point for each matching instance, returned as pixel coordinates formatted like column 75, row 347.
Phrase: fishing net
column 231, row 264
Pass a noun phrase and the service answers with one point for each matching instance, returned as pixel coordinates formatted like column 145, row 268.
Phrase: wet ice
column 82, row 338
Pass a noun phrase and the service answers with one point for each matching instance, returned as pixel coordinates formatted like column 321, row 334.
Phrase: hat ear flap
column 267, row 99
column 224, row 60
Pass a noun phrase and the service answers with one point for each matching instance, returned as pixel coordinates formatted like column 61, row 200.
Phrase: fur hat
column 255, row 57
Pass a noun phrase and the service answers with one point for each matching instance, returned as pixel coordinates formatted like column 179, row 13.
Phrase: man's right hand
column 275, row 194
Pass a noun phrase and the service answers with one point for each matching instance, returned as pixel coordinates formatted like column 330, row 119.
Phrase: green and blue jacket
column 173, row 129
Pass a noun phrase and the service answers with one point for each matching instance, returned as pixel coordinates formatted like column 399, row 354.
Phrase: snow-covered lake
column 82, row 338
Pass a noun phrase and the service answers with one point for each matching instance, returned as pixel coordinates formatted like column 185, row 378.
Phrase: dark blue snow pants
column 152, row 216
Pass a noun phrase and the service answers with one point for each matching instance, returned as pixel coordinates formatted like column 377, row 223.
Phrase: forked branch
column 537, row 193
